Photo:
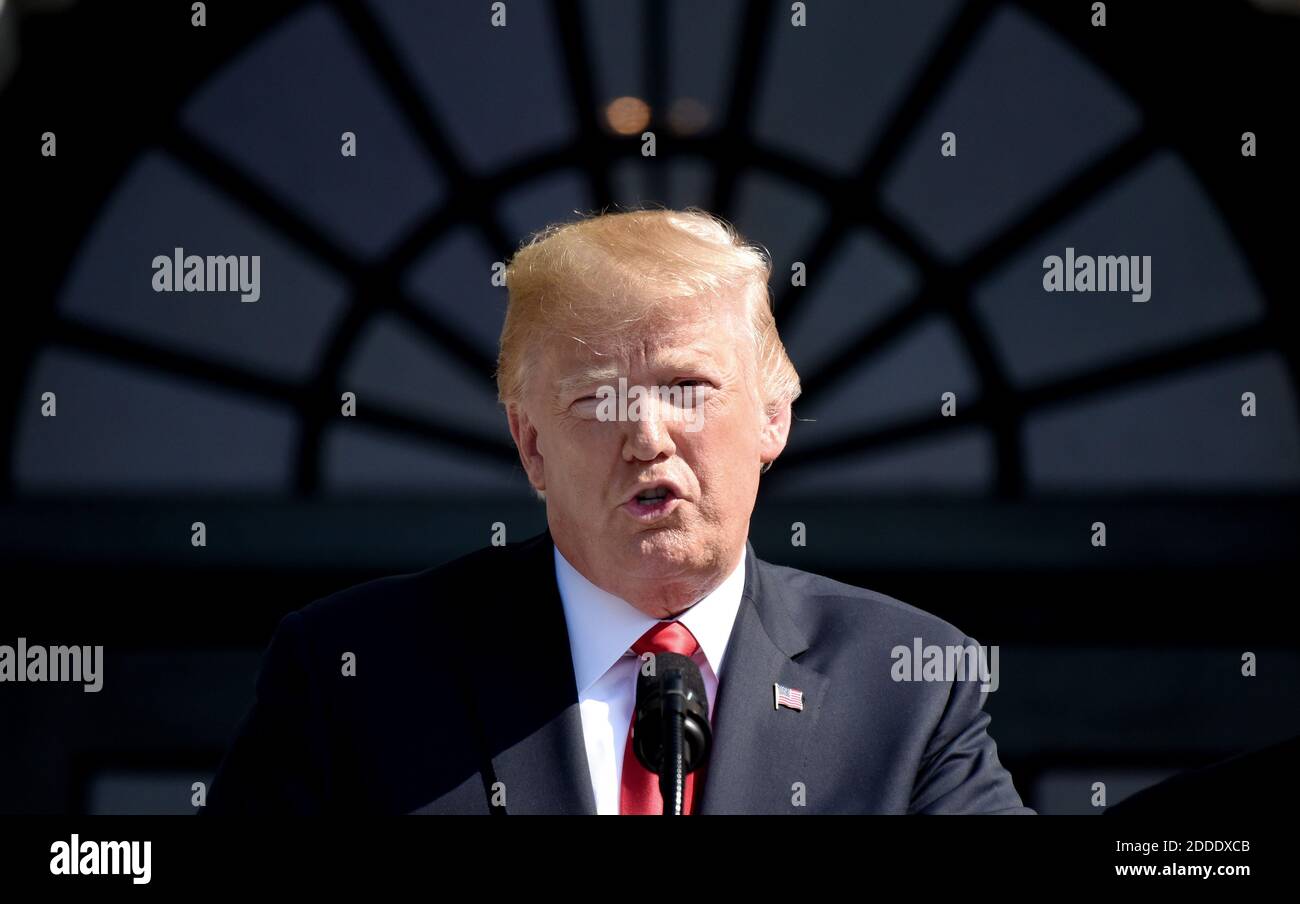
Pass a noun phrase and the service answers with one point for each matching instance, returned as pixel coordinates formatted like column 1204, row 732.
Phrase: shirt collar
column 603, row 627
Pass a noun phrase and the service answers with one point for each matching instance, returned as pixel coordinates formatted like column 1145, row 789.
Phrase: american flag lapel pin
column 789, row 697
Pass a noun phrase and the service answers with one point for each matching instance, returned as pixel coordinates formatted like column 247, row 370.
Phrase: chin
column 669, row 551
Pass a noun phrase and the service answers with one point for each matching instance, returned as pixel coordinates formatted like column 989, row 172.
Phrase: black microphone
column 670, row 729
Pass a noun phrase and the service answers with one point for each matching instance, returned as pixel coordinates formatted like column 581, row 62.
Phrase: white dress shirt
column 602, row 629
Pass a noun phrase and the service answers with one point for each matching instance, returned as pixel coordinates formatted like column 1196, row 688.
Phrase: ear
column 776, row 430
column 525, row 436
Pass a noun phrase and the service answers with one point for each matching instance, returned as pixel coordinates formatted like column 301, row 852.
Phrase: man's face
column 702, row 456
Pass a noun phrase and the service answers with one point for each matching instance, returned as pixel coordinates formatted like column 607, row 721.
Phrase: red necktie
column 639, row 794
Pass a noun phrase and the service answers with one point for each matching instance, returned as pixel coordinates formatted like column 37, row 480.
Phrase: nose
column 648, row 437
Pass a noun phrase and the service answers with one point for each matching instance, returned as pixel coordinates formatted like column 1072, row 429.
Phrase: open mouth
column 651, row 504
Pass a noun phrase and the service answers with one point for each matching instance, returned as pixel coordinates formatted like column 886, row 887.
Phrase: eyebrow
column 586, row 377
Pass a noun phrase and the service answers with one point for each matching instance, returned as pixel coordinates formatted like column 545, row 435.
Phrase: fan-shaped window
column 923, row 272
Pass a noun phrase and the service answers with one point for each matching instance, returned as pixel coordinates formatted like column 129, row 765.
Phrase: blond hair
column 595, row 278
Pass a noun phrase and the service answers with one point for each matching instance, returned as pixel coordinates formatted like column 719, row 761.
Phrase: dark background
column 1119, row 664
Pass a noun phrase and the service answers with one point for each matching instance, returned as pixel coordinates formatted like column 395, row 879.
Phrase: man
column 646, row 390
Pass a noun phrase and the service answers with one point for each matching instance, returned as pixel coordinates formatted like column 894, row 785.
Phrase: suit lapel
column 758, row 750
column 527, row 694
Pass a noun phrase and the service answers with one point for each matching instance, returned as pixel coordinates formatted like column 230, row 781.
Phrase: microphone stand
column 672, row 774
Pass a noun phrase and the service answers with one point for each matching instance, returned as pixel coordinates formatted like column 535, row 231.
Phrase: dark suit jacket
column 463, row 679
